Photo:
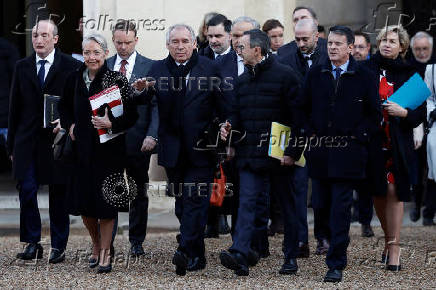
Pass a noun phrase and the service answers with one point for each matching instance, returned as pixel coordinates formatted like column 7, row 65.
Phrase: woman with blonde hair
column 392, row 168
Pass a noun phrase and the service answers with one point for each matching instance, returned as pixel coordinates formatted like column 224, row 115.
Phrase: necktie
column 218, row 56
column 337, row 75
column 123, row 67
column 41, row 72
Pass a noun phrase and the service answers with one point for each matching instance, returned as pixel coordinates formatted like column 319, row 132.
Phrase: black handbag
column 63, row 150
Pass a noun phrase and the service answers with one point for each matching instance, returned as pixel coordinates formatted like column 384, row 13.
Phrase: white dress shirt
column 309, row 61
column 129, row 65
column 241, row 66
column 224, row 53
column 49, row 61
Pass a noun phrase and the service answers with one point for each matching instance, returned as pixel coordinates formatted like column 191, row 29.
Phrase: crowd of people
column 232, row 81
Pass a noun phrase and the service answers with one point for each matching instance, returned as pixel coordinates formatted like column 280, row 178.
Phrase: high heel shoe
column 93, row 262
column 107, row 268
column 389, row 267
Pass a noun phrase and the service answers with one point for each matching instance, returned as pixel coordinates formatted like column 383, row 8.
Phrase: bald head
column 306, row 35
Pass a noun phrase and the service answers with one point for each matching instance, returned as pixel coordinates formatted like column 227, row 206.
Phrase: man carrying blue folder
column 266, row 91
column 340, row 111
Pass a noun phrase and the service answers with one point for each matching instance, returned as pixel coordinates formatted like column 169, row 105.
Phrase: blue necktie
column 337, row 73
column 41, row 72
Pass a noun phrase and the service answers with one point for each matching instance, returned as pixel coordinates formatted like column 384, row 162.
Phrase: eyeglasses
column 239, row 48
column 96, row 53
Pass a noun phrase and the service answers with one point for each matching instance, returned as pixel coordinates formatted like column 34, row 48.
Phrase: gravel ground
column 156, row 271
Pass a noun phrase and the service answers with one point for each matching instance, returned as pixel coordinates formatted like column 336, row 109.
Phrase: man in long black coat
column 341, row 111
column 30, row 145
column 188, row 98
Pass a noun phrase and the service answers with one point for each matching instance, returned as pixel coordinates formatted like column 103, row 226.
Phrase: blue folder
column 412, row 93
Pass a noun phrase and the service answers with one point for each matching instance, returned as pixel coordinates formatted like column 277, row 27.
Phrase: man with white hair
column 189, row 99
column 422, row 49
column 30, row 144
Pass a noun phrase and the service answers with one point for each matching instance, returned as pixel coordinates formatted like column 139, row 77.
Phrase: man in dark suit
column 299, row 13
column 30, row 145
column 141, row 139
column 341, row 110
column 362, row 205
column 308, row 54
column 218, row 36
column 8, row 57
column 265, row 94
column 187, row 104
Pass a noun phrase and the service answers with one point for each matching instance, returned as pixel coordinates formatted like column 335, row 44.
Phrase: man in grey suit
column 141, row 139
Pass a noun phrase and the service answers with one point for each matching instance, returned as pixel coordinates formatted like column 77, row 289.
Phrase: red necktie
column 123, row 67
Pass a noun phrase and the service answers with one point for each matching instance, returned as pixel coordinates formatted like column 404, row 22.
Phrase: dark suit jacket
column 148, row 121
column 343, row 118
column 297, row 61
column 207, row 52
column 27, row 140
column 228, row 67
column 199, row 109
column 287, row 51
column 8, row 57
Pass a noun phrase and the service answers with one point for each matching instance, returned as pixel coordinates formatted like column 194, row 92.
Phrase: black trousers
column 137, row 168
column 253, row 210
column 191, row 188
column 30, row 219
column 339, row 194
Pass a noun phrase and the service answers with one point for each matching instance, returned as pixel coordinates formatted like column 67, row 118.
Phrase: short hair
column 177, row 26
column 402, row 36
column 321, row 28
column 419, row 35
column 307, row 22
column 311, row 11
column 220, row 19
column 271, row 24
column 364, row 35
column 343, row 30
column 55, row 27
column 259, row 38
column 97, row 38
column 125, row 25
column 253, row 22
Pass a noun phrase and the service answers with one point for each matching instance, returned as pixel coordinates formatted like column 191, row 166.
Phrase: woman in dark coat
column 97, row 164
column 392, row 168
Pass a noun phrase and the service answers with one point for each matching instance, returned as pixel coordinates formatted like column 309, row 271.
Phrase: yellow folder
column 279, row 139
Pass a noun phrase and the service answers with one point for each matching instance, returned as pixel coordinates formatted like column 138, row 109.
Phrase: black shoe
column 393, row 268
column 252, row 258
column 415, row 214
column 104, row 269
column 31, row 252
column 136, row 250
column 289, row 267
column 367, row 231
column 234, row 261
column 211, row 232
column 223, row 225
column 56, row 256
column 181, row 261
column 322, row 247
column 333, row 276
column 303, row 250
column 428, row 222
column 264, row 254
column 197, row 263
column 112, row 253
column 93, row 262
